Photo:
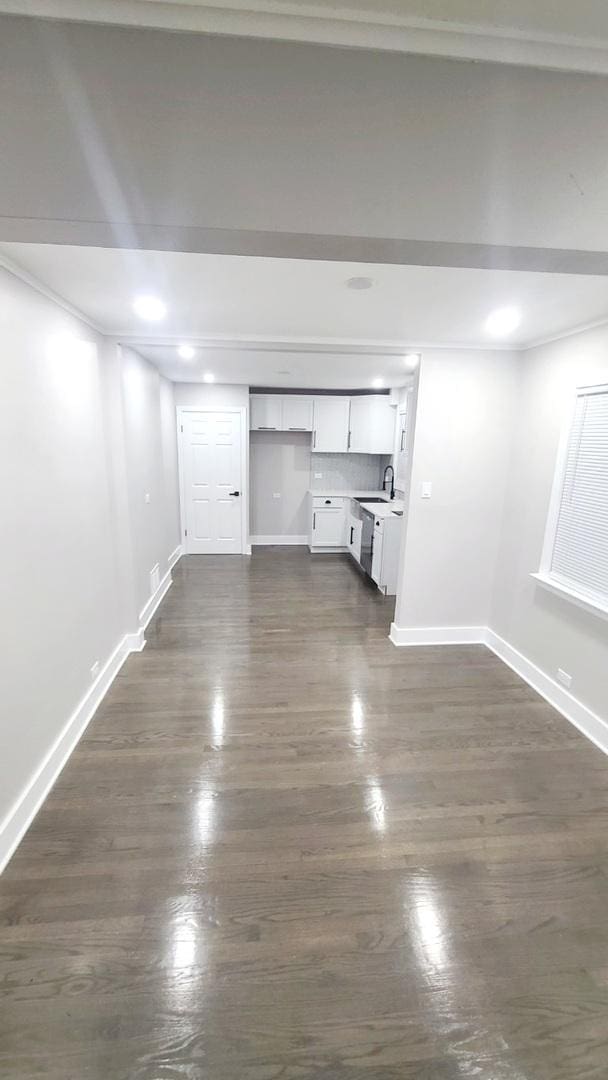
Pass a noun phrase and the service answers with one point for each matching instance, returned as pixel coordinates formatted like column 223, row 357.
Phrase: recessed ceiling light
column 359, row 283
column 503, row 321
column 208, row 377
column 186, row 352
column 377, row 383
column 411, row 359
column 149, row 308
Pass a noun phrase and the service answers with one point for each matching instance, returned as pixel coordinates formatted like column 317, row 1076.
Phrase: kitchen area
column 329, row 471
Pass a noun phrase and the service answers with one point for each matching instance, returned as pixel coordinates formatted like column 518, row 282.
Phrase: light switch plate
column 426, row 489
column 276, row 494
column 318, row 476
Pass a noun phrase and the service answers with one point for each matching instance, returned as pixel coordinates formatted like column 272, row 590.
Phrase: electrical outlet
column 276, row 494
column 147, row 497
column 563, row 677
column 95, row 670
column 318, row 476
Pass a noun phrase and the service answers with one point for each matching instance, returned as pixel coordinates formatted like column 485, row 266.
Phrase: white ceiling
column 191, row 142
column 254, row 318
column 544, row 33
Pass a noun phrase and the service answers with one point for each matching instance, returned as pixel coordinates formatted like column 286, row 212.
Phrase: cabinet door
column 382, row 420
column 328, row 528
column 359, row 439
column 330, row 430
column 401, row 449
column 297, row 413
column 265, row 412
column 353, row 536
column 372, row 425
column 377, row 554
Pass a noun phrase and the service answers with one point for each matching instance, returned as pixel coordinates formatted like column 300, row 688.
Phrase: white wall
column 211, row 396
column 149, row 416
column 462, row 444
column 61, row 608
column 80, row 436
column 279, row 463
column 487, row 433
column 550, row 631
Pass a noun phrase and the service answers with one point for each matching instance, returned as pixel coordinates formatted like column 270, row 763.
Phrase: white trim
column 279, row 541
column 23, row 811
column 582, row 328
column 583, row 718
column 242, row 410
column 175, row 556
column 39, row 287
column 588, row 722
column 544, row 577
column 338, row 26
column 151, row 605
column 135, row 642
column 568, row 593
column 437, row 635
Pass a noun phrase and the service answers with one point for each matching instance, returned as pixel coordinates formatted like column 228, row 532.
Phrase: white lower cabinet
column 328, row 527
column 377, row 551
column 353, row 536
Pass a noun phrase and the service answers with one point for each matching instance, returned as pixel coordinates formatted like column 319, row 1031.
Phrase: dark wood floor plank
column 286, row 850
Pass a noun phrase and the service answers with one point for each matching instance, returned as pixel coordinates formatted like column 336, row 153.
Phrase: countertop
column 343, row 493
column 385, row 509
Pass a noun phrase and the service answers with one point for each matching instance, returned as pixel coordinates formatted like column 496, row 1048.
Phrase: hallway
column 286, row 849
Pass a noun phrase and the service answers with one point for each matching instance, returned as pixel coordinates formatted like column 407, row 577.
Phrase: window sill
column 582, row 601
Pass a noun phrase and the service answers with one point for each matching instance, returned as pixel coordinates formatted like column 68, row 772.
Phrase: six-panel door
column 211, row 450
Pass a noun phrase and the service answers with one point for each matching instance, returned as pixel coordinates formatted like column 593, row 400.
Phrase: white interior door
column 212, row 482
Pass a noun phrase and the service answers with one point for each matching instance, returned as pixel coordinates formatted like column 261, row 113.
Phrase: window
column 575, row 556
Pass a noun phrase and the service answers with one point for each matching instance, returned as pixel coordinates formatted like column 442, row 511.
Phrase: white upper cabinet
column 330, row 429
column 372, row 424
column 266, row 412
column 401, row 449
column 297, row 413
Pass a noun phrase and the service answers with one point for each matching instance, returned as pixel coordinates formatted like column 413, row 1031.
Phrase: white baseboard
column 148, row 610
column 175, row 556
column 22, row 813
column 279, row 541
column 588, row 722
column 437, row 635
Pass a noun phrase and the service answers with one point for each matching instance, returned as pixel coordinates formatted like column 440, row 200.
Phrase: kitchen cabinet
column 377, row 551
column 328, row 526
column 297, row 413
column 265, row 412
column 354, row 527
column 401, row 449
column 372, row 424
column 330, row 425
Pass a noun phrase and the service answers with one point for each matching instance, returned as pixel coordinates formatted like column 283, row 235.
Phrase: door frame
column 181, row 411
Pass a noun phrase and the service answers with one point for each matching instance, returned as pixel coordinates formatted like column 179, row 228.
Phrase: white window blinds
column 579, row 558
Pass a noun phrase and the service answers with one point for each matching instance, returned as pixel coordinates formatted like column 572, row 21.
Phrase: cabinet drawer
column 319, row 501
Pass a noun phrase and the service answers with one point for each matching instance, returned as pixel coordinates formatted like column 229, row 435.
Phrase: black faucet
column 392, row 480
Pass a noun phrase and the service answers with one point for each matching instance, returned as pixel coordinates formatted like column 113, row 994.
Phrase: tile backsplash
column 361, row 472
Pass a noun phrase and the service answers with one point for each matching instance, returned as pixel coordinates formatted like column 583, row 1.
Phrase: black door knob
column 234, row 493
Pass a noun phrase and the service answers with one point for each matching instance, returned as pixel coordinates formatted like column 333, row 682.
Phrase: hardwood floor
column 286, row 850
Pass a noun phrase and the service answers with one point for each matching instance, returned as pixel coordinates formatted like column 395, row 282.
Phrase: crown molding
column 333, row 346
column 340, row 27
column 39, row 287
